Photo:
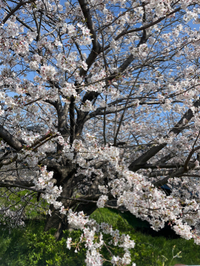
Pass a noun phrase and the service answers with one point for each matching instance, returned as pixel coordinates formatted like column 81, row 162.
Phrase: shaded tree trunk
column 65, row 177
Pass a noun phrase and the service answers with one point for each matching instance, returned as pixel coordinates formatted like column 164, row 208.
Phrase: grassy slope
column 30, row 246
column 151, row 250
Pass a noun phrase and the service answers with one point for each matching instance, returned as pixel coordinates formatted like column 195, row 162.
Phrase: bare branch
column 12, row 12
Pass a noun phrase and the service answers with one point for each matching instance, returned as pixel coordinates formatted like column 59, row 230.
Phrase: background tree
column 93, row 92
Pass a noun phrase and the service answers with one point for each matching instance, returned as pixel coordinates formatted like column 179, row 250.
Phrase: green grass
column 17, row 199
column 31, row 246
column 150, row 250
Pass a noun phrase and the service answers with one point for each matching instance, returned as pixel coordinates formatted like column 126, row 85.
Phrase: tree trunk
column 66, row 178
column 59, row 222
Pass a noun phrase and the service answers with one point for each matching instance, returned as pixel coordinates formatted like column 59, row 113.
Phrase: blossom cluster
column 13, row 218
column 48, row 72
column 52, row 192
column 136, row 193
column 92, row 237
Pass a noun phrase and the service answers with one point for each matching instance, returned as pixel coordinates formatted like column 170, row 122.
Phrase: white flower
column 57, row 43
column 84, row 65
column 101, row 201
column 12, row 29
column 69, row 89
column 2, row 96
column 61, row 140
column 93, row 258
column 67, row 63
column 63, row 210
column 47, row 72
column 71, row 30
column 77, row 220
column 87, row 106
column 69, row 240
column 85, row 31
column 34, row 65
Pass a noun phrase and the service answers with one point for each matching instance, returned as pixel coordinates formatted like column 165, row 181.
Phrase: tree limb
column 10, row 139
column 135, row 165
column 15, row 9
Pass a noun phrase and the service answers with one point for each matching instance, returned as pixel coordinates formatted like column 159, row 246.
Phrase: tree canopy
column 99, row 106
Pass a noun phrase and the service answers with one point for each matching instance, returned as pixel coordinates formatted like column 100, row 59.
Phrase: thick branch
column 10, row 139
column 161, row 166
column 15, row 183
column 137, row 164
column 72, row 120
column 96, row 46
column 176, row 173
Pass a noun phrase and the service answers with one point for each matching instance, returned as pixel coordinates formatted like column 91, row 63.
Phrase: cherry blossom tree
column 99, row 105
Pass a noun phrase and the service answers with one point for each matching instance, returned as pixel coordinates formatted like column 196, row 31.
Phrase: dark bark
column 65, row 176
column 10, row 139
column 81, row 116
column 96, row 46
column 60, row 223
column 72, row 119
